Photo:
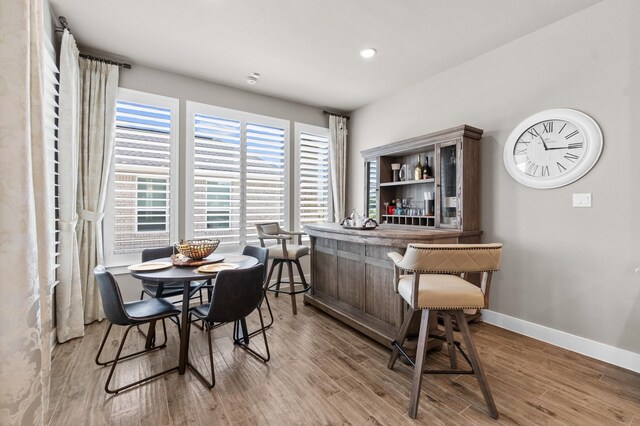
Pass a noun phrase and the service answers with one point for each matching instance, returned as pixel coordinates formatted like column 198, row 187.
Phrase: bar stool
column 432, row 281
column 281, row 254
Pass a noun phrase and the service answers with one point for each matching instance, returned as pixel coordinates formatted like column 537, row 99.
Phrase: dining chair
column 429, row 277
column 154, row 289
column 236, row 294
column 282, row 253
column 262, row 254
column 130, row 315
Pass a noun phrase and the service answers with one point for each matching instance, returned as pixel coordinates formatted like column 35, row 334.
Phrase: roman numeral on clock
column 575, row 145
column 561, row 168
column 531, row 168
column 562, row 128
column 547, row 127
column 545, row 171
column 521, row 151
column 571, row 157
column 572, row 134
column 532, row 131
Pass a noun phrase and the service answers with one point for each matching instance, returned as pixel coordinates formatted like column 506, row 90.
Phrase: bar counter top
column 389, row 235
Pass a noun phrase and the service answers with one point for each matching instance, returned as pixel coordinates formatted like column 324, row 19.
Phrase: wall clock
column 553, row 148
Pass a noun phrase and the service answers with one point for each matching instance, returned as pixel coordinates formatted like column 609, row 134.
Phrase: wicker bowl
column 197, row 249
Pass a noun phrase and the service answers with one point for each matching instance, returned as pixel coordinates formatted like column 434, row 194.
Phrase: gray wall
column 566, row 268
column 151, row 80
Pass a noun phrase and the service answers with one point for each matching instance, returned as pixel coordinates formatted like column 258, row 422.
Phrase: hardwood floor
column 322, row 372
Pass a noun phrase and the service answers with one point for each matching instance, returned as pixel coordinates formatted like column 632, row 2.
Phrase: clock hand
column 558, row 147
column 544, row 144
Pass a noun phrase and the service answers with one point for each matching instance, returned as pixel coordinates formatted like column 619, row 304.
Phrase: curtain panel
column 69, row 303
column 337, row 163
column 27, row 228
column 98, row 91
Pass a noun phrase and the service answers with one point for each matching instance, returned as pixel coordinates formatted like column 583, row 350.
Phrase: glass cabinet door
column 371, row 208
column 449, row 185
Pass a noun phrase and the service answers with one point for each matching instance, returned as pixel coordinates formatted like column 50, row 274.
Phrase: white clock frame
column 593, row 141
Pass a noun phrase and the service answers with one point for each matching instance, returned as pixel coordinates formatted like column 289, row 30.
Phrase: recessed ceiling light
column 368, row 52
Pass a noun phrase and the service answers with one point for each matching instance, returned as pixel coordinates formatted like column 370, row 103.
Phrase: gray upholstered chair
column 262, row 254
column 129, row 314
column 236, row 294
column 429, row 277
column 281, row 253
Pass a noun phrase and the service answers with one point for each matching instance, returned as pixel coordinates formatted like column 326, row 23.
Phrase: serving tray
column 361, row 228
column 190, row 263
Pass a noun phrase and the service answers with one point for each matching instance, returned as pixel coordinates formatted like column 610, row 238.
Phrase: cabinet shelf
column 454, row 159
column 407, row 182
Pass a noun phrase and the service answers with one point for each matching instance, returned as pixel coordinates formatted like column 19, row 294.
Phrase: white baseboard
column 610, row 354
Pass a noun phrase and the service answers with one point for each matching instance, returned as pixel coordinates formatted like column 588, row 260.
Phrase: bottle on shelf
column 418, row 171
column 426, row 171
column 392, row 207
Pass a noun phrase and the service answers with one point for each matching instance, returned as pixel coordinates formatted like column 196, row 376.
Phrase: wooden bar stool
column 432, row 281
column 284, row 253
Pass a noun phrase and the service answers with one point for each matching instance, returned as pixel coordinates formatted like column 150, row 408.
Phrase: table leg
column 241, row 331
column 151, row 336
column 184, row 330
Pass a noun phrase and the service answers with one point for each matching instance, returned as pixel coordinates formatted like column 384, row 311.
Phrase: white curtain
column 337, row 163
column 69, row 303
column 26, row 220
column 98, row 90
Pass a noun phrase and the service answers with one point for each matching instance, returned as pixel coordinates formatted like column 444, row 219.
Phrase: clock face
column 553, row 148
column 549, row 149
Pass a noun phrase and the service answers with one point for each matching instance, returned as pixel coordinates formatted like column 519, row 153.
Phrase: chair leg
column 117, row 359
column 212, row 383
column 292, row 287
column 414, row 399
column 402, row 335
column 279, row 280
column 153, row 348
column 451, row 347
column 301, row 273
column 266, row 300
column 475, row 362
column 252, row 351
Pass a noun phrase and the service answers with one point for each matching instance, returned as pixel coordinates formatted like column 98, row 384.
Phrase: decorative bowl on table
column 197, row 249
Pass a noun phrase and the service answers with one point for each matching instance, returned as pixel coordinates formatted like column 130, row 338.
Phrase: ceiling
column 306, row 50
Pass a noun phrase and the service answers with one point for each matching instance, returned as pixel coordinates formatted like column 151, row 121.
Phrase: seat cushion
column 294, row 252
column 144, row 310
column 201, row 311
column 442, row 292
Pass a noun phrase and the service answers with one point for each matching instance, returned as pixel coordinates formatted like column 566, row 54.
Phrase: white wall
column 151, row 80
column 565, row 268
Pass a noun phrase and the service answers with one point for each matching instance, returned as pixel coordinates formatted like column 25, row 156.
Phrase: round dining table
column 184, row 275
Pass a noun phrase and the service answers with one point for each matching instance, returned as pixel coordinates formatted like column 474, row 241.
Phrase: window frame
column 173, row 104
column 193, row 108
column 300, row 128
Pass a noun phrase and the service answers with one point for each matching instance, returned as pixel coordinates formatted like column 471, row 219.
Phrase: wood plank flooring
column 322, row 372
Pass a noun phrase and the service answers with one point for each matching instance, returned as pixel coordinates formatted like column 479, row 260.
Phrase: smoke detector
column 253, row 78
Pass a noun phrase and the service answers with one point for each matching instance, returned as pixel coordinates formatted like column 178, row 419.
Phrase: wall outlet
column 582, row 200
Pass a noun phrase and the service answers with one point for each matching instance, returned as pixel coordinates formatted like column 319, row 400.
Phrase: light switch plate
column 582, row 200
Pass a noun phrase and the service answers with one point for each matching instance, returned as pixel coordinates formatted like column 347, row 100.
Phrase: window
column 236, row 173
column 312, row 188
column 142, row 200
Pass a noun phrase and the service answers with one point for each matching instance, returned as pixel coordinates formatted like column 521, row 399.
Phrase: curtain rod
column 64, row 25
column 336, row 114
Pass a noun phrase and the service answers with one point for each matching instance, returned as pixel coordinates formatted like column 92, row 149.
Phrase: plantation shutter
column 372, row 195
column 216, row 178
column 142, row 184
column 313, row 174
column 265, row 177
column 50, row 112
